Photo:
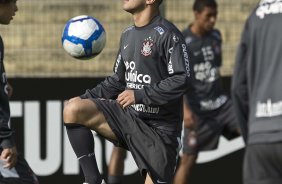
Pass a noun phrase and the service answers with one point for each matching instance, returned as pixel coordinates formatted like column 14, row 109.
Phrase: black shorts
column 263, row 164
column 210, row 127
column 20, row 174
column 154, row 151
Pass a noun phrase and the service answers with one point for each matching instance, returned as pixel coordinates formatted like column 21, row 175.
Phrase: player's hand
column 126, row 98
column 10, row 90
column 9, row 156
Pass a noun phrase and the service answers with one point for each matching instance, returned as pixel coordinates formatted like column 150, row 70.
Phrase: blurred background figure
column 116, row 165
column 13, row 167
column 257, row 93
column 208, row 111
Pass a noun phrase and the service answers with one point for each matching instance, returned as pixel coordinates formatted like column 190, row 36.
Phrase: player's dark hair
column 199, row 5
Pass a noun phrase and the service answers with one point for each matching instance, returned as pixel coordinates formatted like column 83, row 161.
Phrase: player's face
column 133, row 6
column 7, row 11
column 206, row 19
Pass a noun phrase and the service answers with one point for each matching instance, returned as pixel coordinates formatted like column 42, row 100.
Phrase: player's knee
column 70, row 113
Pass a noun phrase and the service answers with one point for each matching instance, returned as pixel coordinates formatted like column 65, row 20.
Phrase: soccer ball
column 83, row 37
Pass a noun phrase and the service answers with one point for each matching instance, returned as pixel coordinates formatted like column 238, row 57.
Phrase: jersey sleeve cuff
column 7, row 143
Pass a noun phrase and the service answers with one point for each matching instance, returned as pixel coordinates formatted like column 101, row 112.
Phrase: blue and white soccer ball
column 83, row 37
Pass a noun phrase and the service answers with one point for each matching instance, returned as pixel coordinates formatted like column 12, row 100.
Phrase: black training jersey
column 207, row 93
column 257, row 79
column 153, row 61
column 5, row 131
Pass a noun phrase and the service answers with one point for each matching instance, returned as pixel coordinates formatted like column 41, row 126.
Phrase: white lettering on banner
column 58, row 149
column 224, row 148
column 53, row 159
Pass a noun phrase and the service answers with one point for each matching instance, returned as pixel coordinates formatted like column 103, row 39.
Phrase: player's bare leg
column 148, row 180
column 184, row 170
column 85, row 112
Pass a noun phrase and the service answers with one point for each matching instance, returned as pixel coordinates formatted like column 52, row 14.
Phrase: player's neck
column 197, row 30
column 144, row 18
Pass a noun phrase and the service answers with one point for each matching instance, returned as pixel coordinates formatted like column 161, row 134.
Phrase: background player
column 13, row 167
column 116, row 165
column 136, row 108
column 212, row 114
column 256, row 91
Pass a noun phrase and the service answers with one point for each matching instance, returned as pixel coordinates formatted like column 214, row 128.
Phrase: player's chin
column 6, row 22
column 209, row 28
column 127, row 9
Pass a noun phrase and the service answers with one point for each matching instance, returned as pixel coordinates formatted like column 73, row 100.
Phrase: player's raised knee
column 71, row 112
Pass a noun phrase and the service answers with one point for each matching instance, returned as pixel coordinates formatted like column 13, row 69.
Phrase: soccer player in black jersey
column 140, row 106
column 257, row 93
column 13, row 167
column 208, row 113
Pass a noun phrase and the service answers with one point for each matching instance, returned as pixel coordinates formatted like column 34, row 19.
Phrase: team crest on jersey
column 147, row 47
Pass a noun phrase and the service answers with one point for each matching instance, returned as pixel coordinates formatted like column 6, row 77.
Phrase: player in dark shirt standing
column 139, row 107
column 257, row 93
column 208, row 113
column 13, row 167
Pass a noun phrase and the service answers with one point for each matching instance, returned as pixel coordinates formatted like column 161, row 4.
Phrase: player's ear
column 150, row 2
column 196, row 14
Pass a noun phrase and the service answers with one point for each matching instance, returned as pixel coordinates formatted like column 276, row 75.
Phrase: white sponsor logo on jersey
column 269, row 109
column 147, row 109
column 117, row 62
column 175, row 38
column 186, row 58
column 268, row 7
column 207, row 105
column 205, row 72
column 132, row 75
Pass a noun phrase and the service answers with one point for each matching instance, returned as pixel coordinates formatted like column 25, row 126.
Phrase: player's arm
column 111, row 86
column 174, row 51
column 239, row 90
column 7, row 143
column 219, row 39
column 9, row 90
column 189, row 118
